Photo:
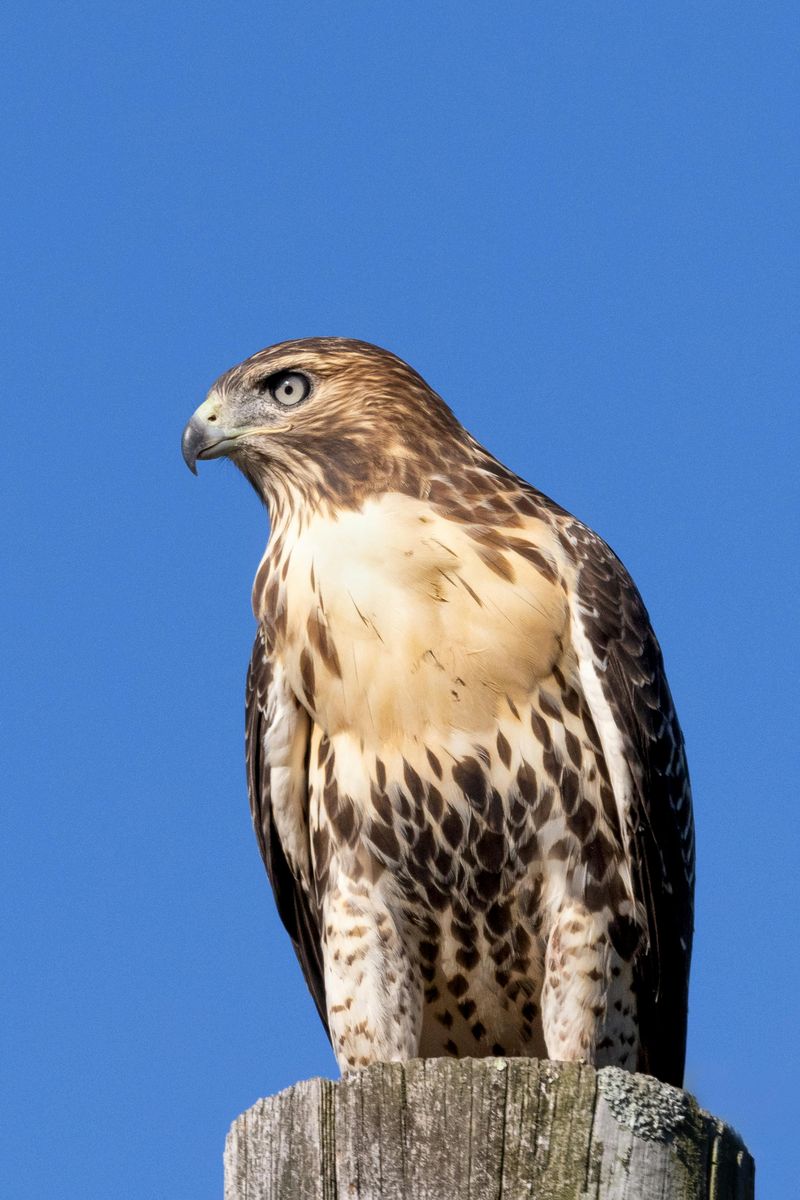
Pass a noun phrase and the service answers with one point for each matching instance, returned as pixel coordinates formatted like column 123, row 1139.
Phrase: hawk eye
column 289, row 388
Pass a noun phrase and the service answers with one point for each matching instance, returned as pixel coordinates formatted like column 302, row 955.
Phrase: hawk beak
column 201, row 439
column 204, row 438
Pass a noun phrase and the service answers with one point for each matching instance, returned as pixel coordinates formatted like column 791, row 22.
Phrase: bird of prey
column 466, row 774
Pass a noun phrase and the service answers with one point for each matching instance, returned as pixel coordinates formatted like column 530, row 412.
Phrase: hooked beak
column 205, row 438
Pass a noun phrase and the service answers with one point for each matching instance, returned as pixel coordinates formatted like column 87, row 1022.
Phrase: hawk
column 466, row 774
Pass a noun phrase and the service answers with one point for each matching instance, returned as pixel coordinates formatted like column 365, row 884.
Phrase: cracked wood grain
column 484, row 1129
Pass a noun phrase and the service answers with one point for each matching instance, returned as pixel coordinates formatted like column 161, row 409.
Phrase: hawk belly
column 467, row 857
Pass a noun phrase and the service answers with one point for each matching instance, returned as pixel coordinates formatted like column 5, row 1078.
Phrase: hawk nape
column 466, row 775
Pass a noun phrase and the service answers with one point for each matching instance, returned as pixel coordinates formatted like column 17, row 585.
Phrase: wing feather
column 276, row 750
column 629, row 666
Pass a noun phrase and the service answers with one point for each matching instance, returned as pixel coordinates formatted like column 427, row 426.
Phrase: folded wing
column 621, row 646
column 276, row 747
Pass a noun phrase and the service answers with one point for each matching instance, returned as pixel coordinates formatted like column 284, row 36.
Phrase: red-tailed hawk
column 466, row 774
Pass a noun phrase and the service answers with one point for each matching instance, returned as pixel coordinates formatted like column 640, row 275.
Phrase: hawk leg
column 588, row 1003
column 374, row 997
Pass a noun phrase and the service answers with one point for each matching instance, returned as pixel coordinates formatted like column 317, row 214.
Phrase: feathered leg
column 374, row 996
column 588, row 1003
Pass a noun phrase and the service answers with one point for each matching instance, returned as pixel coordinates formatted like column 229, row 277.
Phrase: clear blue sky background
column 578, row 222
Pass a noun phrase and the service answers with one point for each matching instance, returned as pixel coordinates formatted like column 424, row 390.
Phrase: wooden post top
column 484, row 1129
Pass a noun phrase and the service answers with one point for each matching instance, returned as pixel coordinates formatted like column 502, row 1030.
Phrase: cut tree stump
column 484, row 1129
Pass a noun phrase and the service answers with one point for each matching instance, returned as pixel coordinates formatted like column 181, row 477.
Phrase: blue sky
column 579, row 223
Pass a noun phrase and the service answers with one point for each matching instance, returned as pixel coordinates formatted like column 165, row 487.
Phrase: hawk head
column 323, row 419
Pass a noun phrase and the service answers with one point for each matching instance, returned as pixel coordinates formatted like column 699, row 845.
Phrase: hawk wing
column 277, row 736
column 618, row 639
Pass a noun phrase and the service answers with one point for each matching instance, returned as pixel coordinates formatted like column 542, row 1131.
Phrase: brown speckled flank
column 466, row 773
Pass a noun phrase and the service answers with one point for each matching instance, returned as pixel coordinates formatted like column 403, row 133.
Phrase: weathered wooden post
column 484, row 1129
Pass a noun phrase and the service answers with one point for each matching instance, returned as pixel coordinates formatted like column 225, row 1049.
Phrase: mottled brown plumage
column 466, row 774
